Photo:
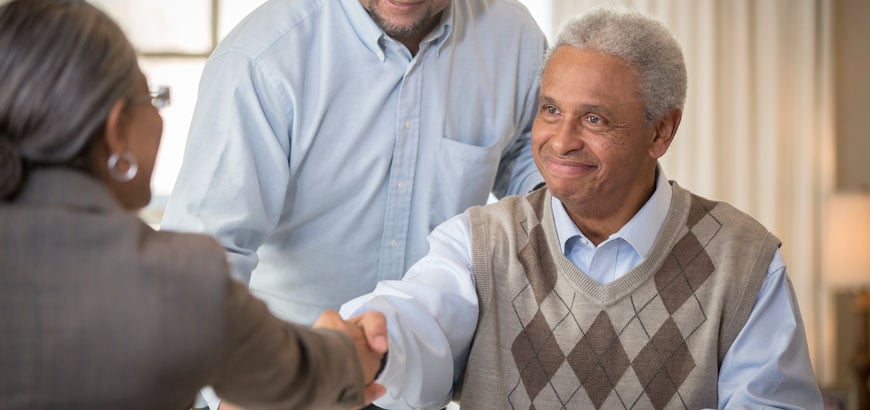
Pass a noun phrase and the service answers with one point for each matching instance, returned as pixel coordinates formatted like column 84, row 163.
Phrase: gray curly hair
column 63, row 64
column 643, row 42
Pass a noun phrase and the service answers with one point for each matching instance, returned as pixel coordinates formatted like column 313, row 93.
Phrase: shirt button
column 401, row 185
column 407, row 124
column 394, row 243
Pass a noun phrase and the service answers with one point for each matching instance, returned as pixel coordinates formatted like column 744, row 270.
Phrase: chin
column 137, row 201
column 145, row 201
column 569, row 195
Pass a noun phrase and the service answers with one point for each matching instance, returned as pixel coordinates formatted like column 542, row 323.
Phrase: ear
column 115, row 137
column 665, row 131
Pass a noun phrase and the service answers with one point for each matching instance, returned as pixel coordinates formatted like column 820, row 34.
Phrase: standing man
column 331, row 136
column 612, row 287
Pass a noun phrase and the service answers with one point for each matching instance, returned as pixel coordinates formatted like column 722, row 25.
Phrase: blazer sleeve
column 273, row 364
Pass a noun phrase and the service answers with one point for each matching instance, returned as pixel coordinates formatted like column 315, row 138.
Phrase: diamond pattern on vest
column 663, row 364
column 683, row 271
column 699, row 207
column 537, row 355
column 537, row 259
column 560, row 360
column 599, row 360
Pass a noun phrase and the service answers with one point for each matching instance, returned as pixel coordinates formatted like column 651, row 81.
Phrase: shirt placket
column 402, row 171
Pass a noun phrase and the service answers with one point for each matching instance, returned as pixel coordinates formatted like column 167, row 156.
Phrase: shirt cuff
column 207, row 398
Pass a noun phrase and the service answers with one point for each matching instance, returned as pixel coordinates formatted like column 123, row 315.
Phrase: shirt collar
column 641, row 230
column 371, row 34
column 443, row 30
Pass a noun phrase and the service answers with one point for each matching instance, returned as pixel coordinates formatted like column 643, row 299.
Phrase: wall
column 851, row 72
column 852, row 88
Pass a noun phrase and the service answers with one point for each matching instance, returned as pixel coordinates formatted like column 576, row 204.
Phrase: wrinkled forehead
column 569, row 64
column 575, row 78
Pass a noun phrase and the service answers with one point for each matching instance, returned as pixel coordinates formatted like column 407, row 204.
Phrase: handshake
column 369, row 334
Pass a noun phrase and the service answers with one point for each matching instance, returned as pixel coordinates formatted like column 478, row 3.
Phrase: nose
column 566, row 138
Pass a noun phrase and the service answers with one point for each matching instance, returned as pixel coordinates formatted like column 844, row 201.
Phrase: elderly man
column 612, row 287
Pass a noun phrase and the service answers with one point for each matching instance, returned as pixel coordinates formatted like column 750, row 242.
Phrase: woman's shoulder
column 184, row 253
column 190, row 242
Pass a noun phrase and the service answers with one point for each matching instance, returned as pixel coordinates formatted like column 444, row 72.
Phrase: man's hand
column 369, row 334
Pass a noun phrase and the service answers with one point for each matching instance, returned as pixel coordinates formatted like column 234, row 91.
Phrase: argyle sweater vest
column 549, row 337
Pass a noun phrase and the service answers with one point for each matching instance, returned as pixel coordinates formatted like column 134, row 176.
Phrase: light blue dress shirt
column 321, row 152
column 432, row 315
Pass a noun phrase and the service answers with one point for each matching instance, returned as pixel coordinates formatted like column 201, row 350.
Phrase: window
column 542, row 12
column 173, row 40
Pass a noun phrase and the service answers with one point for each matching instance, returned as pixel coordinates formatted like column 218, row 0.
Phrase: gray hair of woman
column 63, row 64
column 643, row 42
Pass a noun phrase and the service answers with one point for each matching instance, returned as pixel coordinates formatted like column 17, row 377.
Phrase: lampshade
column 847, row 241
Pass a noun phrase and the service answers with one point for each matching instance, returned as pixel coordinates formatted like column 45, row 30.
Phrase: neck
column 412, row 42
column 599, row 221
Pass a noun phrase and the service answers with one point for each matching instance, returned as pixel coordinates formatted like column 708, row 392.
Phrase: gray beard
column 395, row 31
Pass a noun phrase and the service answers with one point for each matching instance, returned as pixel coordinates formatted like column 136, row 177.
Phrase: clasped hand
column 369, row 334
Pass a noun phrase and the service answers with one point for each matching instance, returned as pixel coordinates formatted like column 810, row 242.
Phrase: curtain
column 757, row 126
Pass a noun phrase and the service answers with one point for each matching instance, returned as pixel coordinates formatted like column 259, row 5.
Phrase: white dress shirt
column 321, row 152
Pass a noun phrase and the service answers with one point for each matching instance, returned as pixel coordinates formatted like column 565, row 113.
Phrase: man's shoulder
column 270, row 24
column 500, row 8
column 720, row 213
column 504, row 27
column 182, row 254
column 501, row 13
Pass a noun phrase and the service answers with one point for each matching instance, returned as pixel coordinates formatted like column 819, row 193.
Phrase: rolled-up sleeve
column 431, row 318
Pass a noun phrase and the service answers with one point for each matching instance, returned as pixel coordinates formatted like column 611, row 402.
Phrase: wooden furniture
column 861, row 356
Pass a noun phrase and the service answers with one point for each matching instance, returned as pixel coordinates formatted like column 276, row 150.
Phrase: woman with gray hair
column 97, row 310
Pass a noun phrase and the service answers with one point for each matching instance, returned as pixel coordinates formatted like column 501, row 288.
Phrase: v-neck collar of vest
column 614, row 291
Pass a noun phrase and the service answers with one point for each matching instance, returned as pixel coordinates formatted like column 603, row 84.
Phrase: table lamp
column 847, row 266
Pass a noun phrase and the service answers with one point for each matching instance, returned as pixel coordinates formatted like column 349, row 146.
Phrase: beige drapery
column 757, row 128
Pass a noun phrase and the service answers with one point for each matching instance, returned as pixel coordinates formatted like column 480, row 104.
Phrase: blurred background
column 776, row 123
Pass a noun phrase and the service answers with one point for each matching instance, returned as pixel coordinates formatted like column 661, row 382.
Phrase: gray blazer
column 99, row 311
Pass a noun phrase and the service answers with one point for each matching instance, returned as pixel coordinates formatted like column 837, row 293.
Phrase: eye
column 596, row 122
column 550, row 109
